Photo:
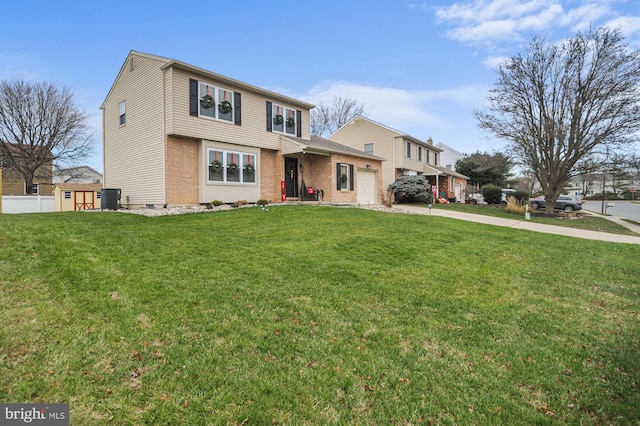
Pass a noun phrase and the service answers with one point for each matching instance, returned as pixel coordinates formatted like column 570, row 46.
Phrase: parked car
column 477, row 198
column 564, row 202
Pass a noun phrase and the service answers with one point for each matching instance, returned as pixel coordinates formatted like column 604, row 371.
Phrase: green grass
column 315, row 315
column 582, row 220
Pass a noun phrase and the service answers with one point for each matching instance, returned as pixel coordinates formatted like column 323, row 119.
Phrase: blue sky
column 419, row 67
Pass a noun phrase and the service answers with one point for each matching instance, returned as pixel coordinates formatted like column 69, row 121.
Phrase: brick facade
column 182, row 171
column 271, row 173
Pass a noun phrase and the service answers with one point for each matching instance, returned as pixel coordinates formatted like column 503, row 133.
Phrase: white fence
column 27, row 203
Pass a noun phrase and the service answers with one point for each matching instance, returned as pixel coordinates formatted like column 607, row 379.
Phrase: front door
column 291, row 176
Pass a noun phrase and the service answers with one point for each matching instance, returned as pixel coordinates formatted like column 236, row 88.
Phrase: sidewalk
column 536, row 227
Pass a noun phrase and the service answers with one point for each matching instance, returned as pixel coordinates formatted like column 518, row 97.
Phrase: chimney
column 429, row 140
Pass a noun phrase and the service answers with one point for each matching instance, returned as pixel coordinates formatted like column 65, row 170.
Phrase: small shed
column 77, row 196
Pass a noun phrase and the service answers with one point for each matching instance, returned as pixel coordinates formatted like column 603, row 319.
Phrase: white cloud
column 483, row 20
column 445, row 115
column 488, row 21
column 493, row 62
column 630, row 28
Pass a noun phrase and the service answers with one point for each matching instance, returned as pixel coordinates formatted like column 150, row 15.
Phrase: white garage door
column 367, row 187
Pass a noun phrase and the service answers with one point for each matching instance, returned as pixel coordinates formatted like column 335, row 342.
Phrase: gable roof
column 322, row 146
column 169, row 63
column 399, row 133
column 79, row 186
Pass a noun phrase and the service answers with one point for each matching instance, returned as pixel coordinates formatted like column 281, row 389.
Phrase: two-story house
column 177, row 134
column 404, row 154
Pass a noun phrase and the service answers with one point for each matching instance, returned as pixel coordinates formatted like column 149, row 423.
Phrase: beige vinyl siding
column 360, row 132
column 134, row 153
column 251, row 132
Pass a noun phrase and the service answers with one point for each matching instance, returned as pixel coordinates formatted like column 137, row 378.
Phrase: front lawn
column 315, row 315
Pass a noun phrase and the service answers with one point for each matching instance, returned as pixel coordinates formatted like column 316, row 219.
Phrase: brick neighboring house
column 404, row 155
column 14, row 183
column 176, row 134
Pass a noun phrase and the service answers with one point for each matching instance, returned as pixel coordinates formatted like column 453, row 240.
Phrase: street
column 623, row 209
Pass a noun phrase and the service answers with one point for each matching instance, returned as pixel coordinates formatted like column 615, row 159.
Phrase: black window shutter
column 350, row 177
column 236, row 106
column 269, row 117
column 193, row 97
column 338, row 177
column 299, row 121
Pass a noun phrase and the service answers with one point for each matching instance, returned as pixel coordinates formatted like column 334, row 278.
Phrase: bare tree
column 557, row 102
column 326, row 119
column 39, row 124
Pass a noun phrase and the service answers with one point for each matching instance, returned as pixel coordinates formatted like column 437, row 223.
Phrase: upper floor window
column 123, row 113
column 419, row 153
column 231, row 166
column 215, row 102
column 282, row 119
column 408, row 149
column 435, row 158
column 426, row 156
column 368, row 148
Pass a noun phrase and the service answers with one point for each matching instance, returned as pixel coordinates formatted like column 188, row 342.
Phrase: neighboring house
column 449, row 156
column 77, row 196
column 81, row 174
column 14, row 183
column 176, row 134
column 405, row 155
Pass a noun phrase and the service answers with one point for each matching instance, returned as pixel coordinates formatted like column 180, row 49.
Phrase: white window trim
column 224, row 154
column 122, row 109
column 364, row 147
column 216, row 93
column 344, row 171
column 285, row 111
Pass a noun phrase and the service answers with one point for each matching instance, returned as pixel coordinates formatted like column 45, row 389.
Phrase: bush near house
column 492, row 194
column 412, row 189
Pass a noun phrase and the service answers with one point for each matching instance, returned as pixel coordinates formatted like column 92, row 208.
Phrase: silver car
column 564, row 202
